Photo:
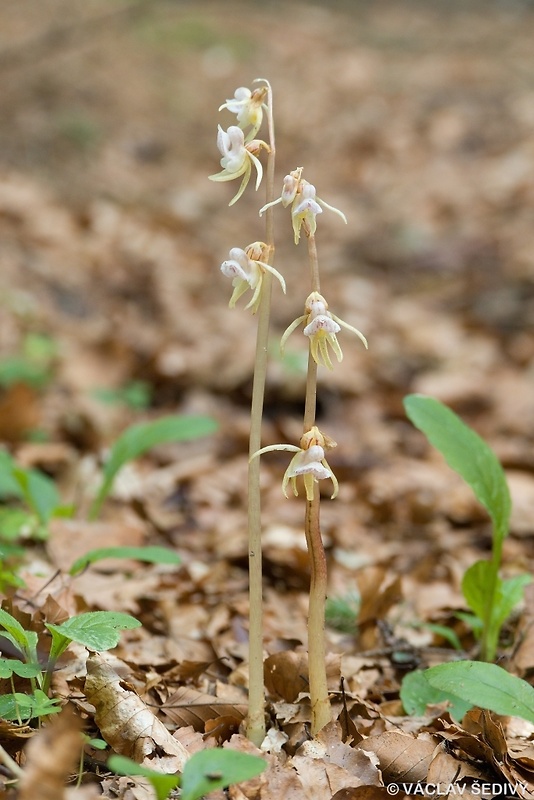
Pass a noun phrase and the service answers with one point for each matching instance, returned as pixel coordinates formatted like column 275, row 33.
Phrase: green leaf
column 96, row 630
column 12, row 666
column 8, row 485
column 25, row 640
column 466, row 453
column 441, row 630
column 139, row 438
column 20, row 706
column 485, row 685
column 509, row 595
column 416, row 694
column 163, row 784
column 39, row 491
column 216, row 768
column 152, row 555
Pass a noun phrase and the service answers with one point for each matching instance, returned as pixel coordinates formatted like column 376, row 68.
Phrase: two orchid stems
column 251, row 268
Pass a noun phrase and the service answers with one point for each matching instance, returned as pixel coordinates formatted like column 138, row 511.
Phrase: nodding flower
column 305, row 205
column 248, row 106
column 321, row 327
column 309, row 462
column 247, row 268
column 238, row 158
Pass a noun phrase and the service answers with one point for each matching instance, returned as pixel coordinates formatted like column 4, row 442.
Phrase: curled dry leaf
column 127, row 724
column 52, row 755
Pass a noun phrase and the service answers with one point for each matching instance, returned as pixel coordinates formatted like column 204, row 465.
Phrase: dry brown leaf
column 402, row 757
column 188, row 706
column 127, row 724
column 52, row 755
column 286, row 674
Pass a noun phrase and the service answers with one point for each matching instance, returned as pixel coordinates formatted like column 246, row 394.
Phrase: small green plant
column 96, row 630
column 33, row 365
column 342, row 612
column 136, row 395
column 204, row 772
column 149, row 554
column 36, row 491
column 140, row 438
column 490, row 597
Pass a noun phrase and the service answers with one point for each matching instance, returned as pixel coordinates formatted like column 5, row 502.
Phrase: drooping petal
column 351, row 328
column 289, row 330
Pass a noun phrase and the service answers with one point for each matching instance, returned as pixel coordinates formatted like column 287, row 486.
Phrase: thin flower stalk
column 255, row 722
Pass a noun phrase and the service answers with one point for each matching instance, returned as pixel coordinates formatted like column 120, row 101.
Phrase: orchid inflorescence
column 309, row 462
column 321, row 327
column 247, row 268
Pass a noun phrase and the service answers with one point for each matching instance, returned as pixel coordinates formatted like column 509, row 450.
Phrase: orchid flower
column 305, row 205
column 238, row 158
column 248, row 271
column 321, row 327
column 249, row 106
column 309, row 461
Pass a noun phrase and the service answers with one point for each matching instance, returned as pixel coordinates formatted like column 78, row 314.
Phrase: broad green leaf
column 39, row 491
column 12, row 666
column 416, row 694
column 27, row 706
column 17, row 635
column 485, row 685
column 96, row 630
column 214, row 768
column 510, row 593
column 163, row 784
column 466, row 453
column 140, row 438
column 475, row 586
column 152, row 555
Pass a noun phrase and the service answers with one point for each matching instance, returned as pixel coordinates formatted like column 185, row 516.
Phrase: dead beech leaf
column 188, row 706
column 127, row 724
column 402, row 757
column 286, row 674
column 52, row 755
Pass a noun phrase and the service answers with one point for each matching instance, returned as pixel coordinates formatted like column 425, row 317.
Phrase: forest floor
column 417, row 120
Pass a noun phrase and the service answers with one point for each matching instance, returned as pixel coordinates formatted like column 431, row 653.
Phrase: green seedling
column 24, row 707
column 33, row 366
column 34, row 489
column 136, row 395
column 491, row 598
column 204, row 772
column 342, row 612
column 139, row 438
column 150, row 555
column 96, row 630
column 484, row 685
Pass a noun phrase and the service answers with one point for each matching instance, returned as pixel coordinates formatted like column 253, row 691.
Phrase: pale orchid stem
column 255, row 724
column 320, row 703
